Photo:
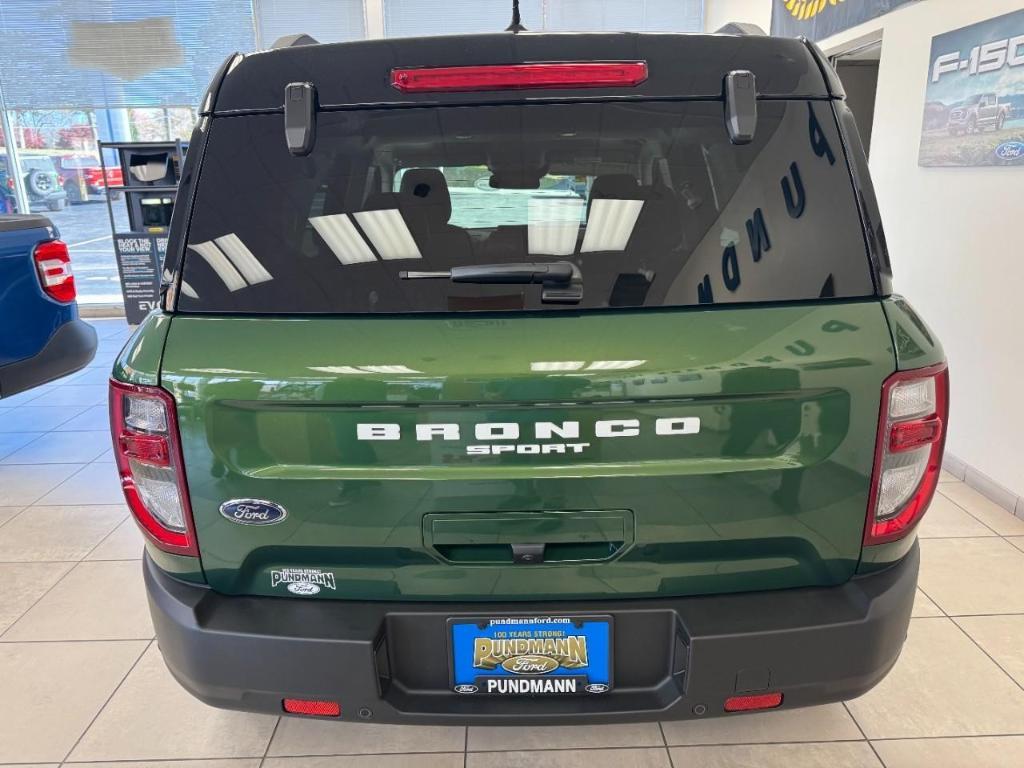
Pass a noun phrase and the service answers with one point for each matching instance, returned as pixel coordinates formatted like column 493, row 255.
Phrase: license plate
column 531, row 655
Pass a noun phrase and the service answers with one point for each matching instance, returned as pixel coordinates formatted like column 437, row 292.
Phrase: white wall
column 954, row 238
column 718, row 13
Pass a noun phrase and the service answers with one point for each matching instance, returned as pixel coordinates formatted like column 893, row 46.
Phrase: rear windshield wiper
column 562, row 280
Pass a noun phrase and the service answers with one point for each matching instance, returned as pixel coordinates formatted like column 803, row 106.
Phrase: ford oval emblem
column 253, row 512
column 1010, row 150
column 464, row 688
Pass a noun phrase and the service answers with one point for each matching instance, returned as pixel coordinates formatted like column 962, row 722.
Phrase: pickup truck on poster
column 979, row 113
column 974, row 105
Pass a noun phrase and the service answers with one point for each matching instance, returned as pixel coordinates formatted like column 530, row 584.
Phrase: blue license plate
column 531, row 655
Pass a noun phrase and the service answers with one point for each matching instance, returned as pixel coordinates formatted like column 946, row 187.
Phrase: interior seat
column 614, row 186
column 426, row 205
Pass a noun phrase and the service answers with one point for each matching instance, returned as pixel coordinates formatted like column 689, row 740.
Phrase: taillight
column 53, row 263
column 10, row 183
column 590, row 74
column 908, row 456
column 144, row 427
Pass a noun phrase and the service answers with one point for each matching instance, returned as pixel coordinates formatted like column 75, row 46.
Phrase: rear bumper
column 675, row 658
column 49, row 197
column 71, row 348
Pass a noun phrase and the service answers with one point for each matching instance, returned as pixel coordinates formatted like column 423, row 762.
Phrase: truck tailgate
column 658, row 452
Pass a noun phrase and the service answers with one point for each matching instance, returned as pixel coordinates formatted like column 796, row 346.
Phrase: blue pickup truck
column 41, row 335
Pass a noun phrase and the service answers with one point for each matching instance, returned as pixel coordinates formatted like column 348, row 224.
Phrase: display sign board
column 139, row 260
column 150, row 173
column 974, row 105
column 818, row 19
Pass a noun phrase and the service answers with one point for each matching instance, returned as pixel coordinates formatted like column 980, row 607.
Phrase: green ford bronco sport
column 529, row 378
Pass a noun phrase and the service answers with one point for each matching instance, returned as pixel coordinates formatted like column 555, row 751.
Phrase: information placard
column 139, row 259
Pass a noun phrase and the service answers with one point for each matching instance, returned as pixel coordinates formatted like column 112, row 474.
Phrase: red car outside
column 83, row 177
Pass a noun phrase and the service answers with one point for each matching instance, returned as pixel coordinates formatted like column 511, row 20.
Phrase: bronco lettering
column 542, row 430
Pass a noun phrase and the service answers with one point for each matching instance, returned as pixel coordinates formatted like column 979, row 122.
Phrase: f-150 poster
column 974, row 108
column 818, row 19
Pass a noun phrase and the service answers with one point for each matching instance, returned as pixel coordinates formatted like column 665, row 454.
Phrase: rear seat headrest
column 614, row 186
column 427, row 189
column 380, row 201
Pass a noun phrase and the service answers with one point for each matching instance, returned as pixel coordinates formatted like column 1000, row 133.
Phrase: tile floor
column 82, row 682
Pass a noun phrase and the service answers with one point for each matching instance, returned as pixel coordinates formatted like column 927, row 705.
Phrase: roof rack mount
column 292, row 41
column 741, row 28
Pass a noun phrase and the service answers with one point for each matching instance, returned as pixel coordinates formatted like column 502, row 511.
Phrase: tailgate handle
column 528, row 538
column 527, row 554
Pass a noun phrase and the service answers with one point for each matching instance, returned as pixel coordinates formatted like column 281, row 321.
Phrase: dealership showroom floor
column 808, row 357
column 83, row 682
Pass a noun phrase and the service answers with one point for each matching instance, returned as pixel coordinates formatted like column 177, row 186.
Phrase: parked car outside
column 655, row 452
column 41, row 335
column 84, row 179
column 44, row 185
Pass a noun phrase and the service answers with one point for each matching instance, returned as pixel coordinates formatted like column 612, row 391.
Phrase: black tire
column 56, row 205
column 74, row 192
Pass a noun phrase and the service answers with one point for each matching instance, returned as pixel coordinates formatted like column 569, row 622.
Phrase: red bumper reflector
column 756, row 701
column 312, row 707
column 593, row 74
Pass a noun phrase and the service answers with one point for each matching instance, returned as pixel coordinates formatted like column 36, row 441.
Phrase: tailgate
column 23, row 305
column 668, row 452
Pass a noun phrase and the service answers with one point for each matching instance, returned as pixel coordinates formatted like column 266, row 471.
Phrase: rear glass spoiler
column 358, row 74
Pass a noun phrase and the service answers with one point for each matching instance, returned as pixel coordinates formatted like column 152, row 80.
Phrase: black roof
column 679, row 65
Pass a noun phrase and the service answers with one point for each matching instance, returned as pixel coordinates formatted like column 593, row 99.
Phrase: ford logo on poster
column 1010, row 150
column 253, row 512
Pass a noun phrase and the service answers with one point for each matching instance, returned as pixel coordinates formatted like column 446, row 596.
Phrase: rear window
column 649, row 201
column 79, row 161
column 44, row 164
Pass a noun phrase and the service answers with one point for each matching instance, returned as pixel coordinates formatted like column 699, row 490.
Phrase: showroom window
column 74, row 72
column 77, row 72
column 415, row 17
column 335, row 21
